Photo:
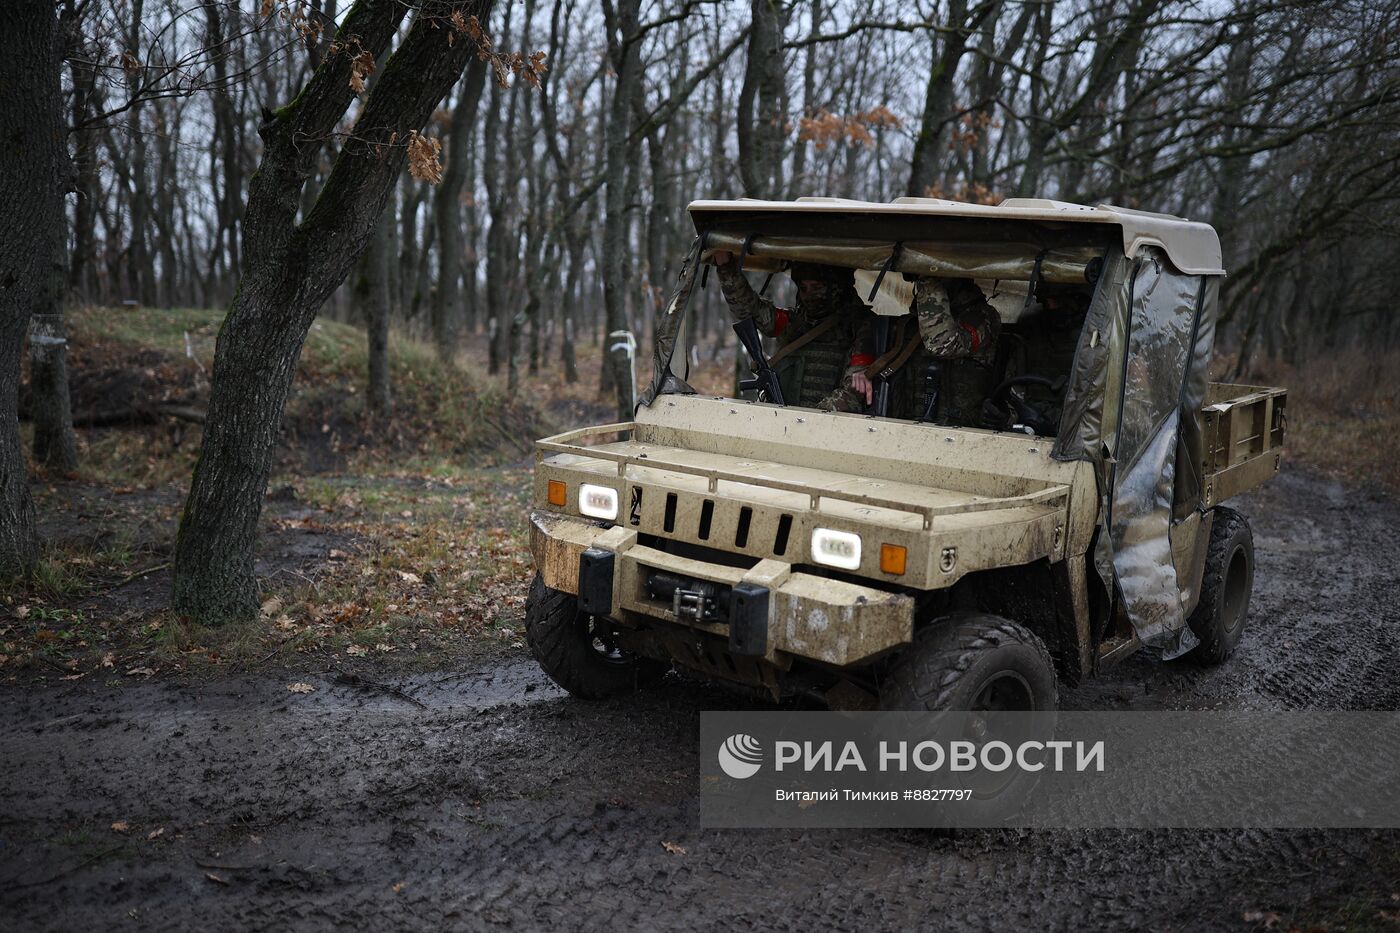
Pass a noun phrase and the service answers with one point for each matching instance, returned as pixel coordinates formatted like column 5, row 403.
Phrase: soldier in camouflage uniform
column 827, row 304
column 958, row 329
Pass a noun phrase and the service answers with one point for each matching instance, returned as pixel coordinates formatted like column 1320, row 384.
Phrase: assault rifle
column 765, row 377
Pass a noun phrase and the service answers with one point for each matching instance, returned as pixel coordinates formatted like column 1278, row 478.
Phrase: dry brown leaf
column 109, row 660
column 423, row 162
column 271, row 607
column 121, row 826
column 155, row 833
column 673, row 848
column 215, row 878
column 409, row 577
column 300, row 687
column 361, row 67
column 356, row 651
column 140, row 672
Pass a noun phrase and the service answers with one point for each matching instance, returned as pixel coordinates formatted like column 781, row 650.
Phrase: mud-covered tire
column 953, row 660
column 1226, row 583
column 562, row 640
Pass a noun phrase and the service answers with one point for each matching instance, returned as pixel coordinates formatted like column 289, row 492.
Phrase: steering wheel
column 1026, row 413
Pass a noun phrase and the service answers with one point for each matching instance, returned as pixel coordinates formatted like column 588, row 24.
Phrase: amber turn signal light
column 892, row 558
column 558, row 492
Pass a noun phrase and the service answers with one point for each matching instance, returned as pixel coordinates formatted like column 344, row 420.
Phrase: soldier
column 958, row 330
column 819, row 330
column 1051, row 333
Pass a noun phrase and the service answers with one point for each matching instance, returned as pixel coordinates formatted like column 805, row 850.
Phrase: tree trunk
column 939, row 105
column 377, row 313
column 626, row 55
column 55, row 447
column 760, row 135
column 447, row 213
column 31, row 202
column 291, row 269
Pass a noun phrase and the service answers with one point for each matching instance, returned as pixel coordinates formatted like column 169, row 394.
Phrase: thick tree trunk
column 760, row 135
column 291, row 269
column 939, row 105
column 31, row 201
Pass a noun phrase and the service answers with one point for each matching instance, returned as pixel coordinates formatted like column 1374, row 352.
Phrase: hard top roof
column 1193, row 247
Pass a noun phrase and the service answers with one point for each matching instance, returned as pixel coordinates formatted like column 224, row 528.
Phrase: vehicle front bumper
column 808, row 616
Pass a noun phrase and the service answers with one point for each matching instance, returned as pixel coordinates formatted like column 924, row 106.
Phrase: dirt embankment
column 484, row 796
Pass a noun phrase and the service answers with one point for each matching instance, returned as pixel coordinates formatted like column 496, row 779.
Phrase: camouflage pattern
column 955, row 319
column 843, row 397
column 809, row 375
column 959, row 331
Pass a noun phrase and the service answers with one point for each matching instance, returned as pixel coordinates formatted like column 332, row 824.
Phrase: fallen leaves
column 155, row 834
column 300, row 687
column 673, row 848
column 121, row 826
column 140, row 672
column 215, row 878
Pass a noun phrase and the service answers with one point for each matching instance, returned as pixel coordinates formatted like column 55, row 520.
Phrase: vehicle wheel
column 1226, row 583
column 577, row 651
column 972, row 661
column 983, row 664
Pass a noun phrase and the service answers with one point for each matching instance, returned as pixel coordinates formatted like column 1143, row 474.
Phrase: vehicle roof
column 1192, row 246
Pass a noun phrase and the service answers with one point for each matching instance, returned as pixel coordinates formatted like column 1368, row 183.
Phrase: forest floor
column 379, row 749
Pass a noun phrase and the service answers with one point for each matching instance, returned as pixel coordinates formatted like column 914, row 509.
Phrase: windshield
column 972, row 334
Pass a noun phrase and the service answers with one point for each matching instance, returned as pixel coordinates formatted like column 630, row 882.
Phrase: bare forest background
column 507, row 182
column 560, row 208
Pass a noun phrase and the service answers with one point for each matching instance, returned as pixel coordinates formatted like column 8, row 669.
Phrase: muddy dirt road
column 485, row 797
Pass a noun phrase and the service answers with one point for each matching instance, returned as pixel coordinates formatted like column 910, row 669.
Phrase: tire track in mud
column 504, row 802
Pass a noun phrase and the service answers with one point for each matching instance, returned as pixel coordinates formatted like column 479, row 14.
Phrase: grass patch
column 1343, row 413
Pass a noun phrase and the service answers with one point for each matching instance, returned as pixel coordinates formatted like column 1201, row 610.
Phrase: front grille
column 719, row 522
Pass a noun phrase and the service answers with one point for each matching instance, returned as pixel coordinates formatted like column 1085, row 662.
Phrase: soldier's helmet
column 827, row 275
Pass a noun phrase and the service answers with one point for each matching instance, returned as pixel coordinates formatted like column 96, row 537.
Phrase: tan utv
column 910, row 562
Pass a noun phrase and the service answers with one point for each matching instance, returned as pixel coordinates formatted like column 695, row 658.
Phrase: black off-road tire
column 966, row 661
column 562, row 639
column 954, row 659
column 1226, row 583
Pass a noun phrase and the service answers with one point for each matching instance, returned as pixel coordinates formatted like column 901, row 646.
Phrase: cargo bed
column 1243, row 431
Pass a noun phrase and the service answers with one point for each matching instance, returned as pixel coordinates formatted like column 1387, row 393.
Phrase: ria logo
column 740, row 756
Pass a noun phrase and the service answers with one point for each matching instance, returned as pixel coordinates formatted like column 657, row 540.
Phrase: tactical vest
column 963, row 386
column 815, row 369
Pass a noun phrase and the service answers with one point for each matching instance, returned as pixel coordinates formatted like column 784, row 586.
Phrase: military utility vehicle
column 914, row 563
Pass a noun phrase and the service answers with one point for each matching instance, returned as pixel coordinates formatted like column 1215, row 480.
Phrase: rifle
column 933, row 379
column 765, row 377
column 882, row 383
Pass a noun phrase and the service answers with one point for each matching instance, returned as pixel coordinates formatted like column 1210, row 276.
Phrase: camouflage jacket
column 955, row 319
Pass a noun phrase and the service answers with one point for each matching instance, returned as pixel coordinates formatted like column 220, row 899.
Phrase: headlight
column 597, row 501
column 836, row 548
